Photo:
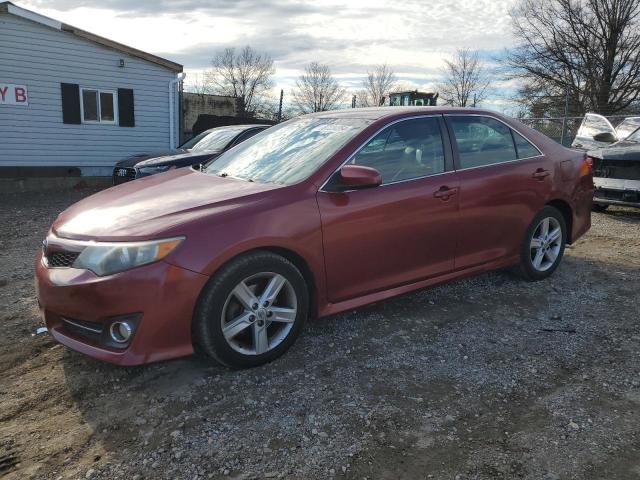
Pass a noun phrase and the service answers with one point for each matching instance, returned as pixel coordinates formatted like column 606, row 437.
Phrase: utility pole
column 566, row 112
column 353, row 102
column 280, row 107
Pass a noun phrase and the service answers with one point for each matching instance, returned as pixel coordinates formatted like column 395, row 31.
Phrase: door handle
column 540, row 173
column 445, row 192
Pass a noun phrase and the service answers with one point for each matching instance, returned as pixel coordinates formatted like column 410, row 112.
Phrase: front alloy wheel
column 259, row 313
column 251, row 311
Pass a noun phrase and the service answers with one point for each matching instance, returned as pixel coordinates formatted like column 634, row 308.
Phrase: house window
column 98, row 106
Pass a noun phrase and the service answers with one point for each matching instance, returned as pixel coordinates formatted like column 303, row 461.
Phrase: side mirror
column 605, row 137
column 358, row 176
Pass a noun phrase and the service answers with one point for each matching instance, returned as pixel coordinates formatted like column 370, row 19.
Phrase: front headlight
column 105, row 258
column 153, row 170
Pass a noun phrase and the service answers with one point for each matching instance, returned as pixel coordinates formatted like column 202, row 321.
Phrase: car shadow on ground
column 623, row 214
column 458, row 347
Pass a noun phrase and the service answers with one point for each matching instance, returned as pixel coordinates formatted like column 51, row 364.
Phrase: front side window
column 406, row 150
column 482, row 141
column 289, row 152
column 98, row 106
column 246, row 135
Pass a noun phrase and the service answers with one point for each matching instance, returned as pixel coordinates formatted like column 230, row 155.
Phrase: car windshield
column 193, row 140
column 627, row 127
column 634, row 137
column 216, row 140
column 289, row 152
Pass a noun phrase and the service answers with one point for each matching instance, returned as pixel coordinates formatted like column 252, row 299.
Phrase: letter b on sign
column 21, row 95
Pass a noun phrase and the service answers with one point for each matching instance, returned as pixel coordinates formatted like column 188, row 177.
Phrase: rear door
column 402, row 231
column 504, row 181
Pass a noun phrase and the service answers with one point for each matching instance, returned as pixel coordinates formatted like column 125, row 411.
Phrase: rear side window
column 482, row 141
column 524, row 147
column 406, row 150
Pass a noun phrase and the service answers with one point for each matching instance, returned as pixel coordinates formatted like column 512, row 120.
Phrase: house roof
column 8, row 7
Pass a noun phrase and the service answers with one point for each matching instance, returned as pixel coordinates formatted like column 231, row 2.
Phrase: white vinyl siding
column 42, row 58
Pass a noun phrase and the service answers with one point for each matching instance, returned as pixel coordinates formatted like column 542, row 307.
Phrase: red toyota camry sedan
column 320, row 214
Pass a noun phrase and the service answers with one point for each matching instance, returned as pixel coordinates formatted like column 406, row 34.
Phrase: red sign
column 11, row 94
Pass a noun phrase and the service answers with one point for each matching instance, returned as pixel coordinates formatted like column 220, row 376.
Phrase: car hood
column 618, row 151
column 179, row 159
column 139, row 157
column 157, row 206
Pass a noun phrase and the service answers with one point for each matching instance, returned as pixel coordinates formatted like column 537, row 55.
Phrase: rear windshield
column 289, row 152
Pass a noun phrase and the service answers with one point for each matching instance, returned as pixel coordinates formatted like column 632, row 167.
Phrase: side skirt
column 333, row 308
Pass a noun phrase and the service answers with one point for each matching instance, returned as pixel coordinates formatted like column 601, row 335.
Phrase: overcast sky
column 411, row 36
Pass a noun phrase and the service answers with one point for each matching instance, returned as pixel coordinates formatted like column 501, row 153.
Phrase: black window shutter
column 70, row 103
column 125, row 108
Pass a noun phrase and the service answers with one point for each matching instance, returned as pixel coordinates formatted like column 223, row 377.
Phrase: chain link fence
column 564, row 129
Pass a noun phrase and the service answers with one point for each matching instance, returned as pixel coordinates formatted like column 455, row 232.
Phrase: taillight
column 586, row 167
column 588, row 160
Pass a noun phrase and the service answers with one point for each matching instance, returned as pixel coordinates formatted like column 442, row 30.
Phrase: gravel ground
column 485, row 378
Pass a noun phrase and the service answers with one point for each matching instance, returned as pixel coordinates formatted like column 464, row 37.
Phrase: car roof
column 239, row 127
column 376, row 113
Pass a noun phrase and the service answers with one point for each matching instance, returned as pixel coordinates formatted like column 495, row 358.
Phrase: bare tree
column 197, row 84
column 465, row 79
column 376, row 87
column 246, row 74
column 589, row 49
column 316, row 90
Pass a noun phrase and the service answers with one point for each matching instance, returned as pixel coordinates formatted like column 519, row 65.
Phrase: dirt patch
column 486, row 378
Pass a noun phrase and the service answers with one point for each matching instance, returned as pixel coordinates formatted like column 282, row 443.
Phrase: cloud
column 412, row 36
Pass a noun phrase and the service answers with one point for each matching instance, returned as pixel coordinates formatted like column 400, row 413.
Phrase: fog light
column 120, row 332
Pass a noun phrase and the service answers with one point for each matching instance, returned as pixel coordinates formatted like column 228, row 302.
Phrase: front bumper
column 160, row 296
column 615, row 191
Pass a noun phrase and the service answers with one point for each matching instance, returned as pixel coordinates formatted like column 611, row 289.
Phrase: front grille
column 621, row 169
column 61, row 259
column 122, row 175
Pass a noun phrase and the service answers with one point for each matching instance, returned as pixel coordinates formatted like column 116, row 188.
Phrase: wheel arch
column 567, row 213
column 294, row 257
column 302, row 265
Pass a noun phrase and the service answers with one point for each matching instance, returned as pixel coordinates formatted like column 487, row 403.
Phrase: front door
column 397, row 233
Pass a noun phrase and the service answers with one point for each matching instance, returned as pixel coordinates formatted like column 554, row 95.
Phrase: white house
column 69, row 98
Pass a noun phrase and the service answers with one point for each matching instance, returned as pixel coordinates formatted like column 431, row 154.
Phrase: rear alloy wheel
column 251, row 311
column 544, row 244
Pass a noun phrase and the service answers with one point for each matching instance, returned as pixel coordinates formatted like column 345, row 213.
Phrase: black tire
column 598, row 207
column 527, row 270
column 207, row 331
